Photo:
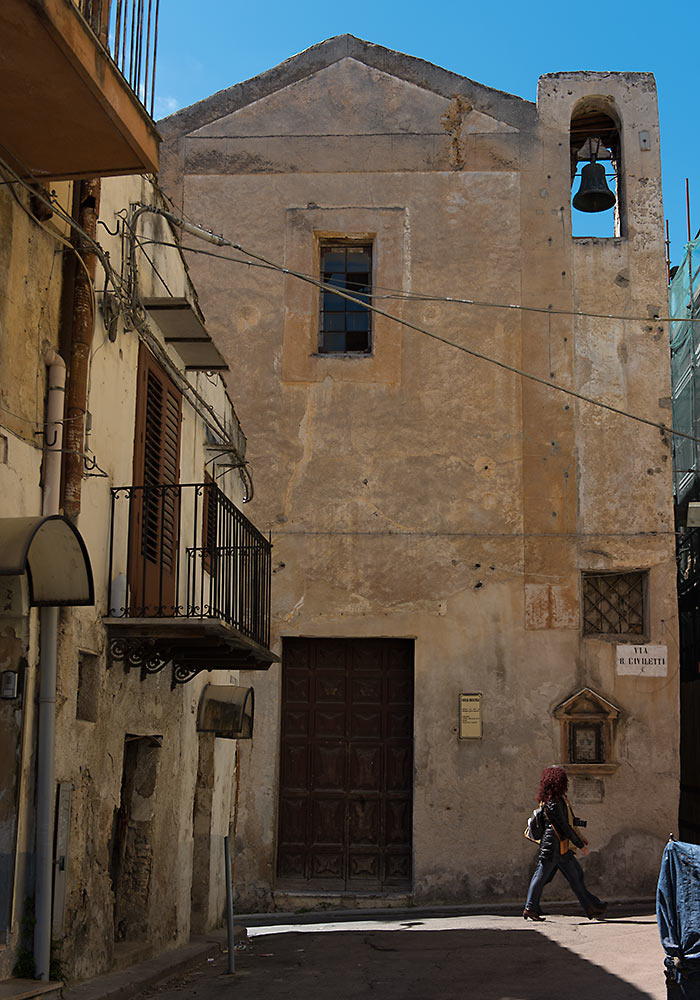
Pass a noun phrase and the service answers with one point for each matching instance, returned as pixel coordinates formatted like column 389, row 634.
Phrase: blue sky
column 208, row 46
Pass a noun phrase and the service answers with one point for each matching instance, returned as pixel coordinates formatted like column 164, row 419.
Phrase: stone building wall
column 425, row 493
column 133, row 767
column 31, row 278
column 126, row 748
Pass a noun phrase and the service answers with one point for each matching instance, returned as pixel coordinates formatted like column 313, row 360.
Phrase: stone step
column 127, row 982
column 298, row 901
column 25, row 989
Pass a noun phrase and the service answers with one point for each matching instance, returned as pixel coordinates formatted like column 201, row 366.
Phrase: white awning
column 183, row 328
column 51, row 551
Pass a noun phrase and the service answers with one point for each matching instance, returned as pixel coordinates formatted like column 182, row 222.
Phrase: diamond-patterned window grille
column 613, row 603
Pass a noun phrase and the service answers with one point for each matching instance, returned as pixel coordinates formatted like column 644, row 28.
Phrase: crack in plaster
column 297, row 607
column 305, row 425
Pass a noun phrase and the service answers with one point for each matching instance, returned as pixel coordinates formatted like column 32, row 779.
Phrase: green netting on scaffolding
column 684, row 303
column 679, row 294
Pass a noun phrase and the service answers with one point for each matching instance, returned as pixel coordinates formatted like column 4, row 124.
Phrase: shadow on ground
column 449, row 965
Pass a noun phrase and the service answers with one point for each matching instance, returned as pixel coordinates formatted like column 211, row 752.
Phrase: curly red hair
column 553, row 784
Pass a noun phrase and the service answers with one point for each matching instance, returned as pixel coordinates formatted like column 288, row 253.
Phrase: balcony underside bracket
column 190, row 647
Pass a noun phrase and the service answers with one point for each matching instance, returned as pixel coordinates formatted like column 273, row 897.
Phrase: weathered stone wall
column 129, row 871
column 31, row 279
column 152, row 881
column 421, row 492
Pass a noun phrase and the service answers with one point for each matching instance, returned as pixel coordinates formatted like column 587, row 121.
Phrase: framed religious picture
column 586, row 743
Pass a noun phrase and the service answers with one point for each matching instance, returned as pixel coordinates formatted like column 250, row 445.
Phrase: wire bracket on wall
column 232, row 461
column 91, row 468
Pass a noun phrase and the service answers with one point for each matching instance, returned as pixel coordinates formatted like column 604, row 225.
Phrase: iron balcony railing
column 128, row 29
column 186, row 551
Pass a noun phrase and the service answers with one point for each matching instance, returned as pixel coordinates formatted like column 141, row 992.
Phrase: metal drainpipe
column 48, row 625
column 80, row 347
column 51, row 489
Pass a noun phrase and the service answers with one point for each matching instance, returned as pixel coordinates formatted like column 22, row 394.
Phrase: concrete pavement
column 407, row 956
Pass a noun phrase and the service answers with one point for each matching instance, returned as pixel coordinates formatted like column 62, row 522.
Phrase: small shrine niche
column 587, row 723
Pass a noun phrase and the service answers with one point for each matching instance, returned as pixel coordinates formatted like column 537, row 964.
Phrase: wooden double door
column 345, row 808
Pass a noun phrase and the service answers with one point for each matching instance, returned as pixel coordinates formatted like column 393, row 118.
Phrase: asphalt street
column 481, row 957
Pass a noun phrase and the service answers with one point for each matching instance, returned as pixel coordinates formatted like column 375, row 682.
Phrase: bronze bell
column 593, row 195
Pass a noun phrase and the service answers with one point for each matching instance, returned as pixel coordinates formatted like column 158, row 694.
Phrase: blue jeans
column 572, row 872
column 678, row 914
column 682, row 984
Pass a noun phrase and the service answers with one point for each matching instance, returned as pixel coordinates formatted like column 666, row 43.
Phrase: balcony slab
column 191, row 645
column 67, row 111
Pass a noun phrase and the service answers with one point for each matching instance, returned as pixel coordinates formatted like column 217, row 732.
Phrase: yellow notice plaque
column 470, row 717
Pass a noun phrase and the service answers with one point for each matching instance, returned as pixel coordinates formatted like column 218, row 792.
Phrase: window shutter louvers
column 154, row 508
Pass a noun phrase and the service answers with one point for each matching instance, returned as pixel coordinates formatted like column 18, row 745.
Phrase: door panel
column 295, row 770
column 345, row 815
column 329, row 721
column 365, row 768
column 328, row 767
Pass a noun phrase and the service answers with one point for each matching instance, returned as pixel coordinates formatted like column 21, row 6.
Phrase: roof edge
column 595, row 74
column 506, row 107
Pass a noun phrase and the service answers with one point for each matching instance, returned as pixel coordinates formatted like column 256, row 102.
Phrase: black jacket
column 558, row 828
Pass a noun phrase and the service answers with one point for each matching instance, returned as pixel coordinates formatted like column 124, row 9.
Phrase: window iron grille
column 613, row 603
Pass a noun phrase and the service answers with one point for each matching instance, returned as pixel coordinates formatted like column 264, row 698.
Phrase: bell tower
column 596, row 161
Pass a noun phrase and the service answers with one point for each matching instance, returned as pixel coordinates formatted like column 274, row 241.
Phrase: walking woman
column 557, row 847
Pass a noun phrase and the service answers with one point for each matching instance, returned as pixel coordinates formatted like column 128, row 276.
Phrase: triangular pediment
column 586, row 703
column 584, row 706
column 346, row 98
column 365, row 83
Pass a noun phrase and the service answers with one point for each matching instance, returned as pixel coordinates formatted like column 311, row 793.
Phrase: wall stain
column 452, row 121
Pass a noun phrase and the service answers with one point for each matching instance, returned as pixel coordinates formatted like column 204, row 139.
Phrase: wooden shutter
column 155, row 509
column 209, row 524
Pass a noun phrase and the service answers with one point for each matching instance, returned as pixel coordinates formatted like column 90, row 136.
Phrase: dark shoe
column 531, row 915
column 596, row 911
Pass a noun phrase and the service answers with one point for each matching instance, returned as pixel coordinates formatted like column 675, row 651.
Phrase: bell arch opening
column 597, row 182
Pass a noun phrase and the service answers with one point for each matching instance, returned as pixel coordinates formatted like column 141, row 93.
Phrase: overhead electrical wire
column 393, row 294
column 124, row 297
column 141, row 246
column 53, row 233
column 198, row 402
column 222, row 241
column 201, row 232
column 396, row 293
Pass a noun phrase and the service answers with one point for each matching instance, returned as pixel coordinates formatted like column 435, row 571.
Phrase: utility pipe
column 45, row 804
column 229, row 906
column 48, row 639
column 80, row 347
column 53, row 430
